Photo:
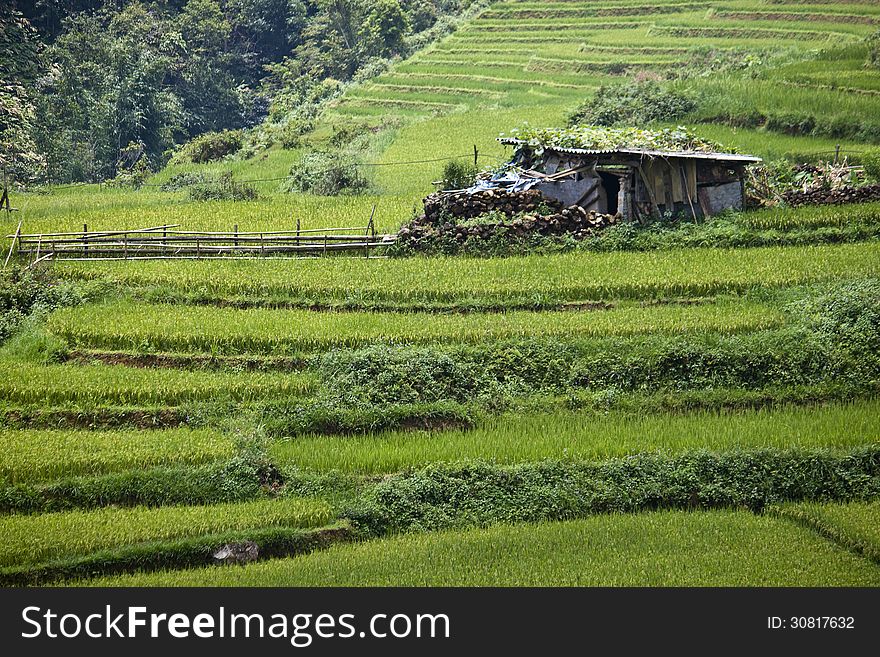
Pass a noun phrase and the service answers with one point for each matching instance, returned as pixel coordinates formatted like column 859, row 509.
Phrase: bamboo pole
column 12, row 246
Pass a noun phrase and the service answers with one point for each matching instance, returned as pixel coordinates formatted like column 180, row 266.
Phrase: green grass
column 31, row 539
column 732, row 548
column 855, row 526
column 133, row 326
column 30, row 456
column 66, row 210
column 820, row 216
column 87, row 385
column 528, row 280
column 578, row 436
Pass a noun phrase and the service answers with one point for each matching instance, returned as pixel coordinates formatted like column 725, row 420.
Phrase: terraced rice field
column 132, row 326
column 584, row 436
column 318, row 399
column 539, row 279
column 660, row 549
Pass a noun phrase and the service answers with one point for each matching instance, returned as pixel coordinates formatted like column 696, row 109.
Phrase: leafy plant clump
column 479, row 493
column 210, row 147
column 458, row 174
column 871, row 162
column 327, row 174
column 222, row 188
column 632, row 103
column 602, row 137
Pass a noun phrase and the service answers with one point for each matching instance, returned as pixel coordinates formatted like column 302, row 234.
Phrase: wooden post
column 39, row 245
column 12, row 246
column 476, row 156
column 236, row 236
column 371, row 230
column 198, row 249
column 4, row 199
column 262, row 245
column 85, row 243
column 836, row 153
column 297, row 231
column 654, row 209
column 125, row 246
column 687, row 191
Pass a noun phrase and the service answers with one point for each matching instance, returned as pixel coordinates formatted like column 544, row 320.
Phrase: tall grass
column 576, row 436
column 733, row 548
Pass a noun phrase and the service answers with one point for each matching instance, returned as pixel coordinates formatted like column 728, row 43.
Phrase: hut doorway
column 611, row 184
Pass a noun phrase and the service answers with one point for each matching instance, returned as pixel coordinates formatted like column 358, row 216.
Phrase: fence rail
column 165, row 242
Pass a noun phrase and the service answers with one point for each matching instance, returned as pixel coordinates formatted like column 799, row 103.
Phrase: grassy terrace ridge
column 29, row 456
column 650, row 549
column 578, row 436
column 855, row 525
column 139, row 327
column 533, row 279
column 29, row 383
column 32, row 539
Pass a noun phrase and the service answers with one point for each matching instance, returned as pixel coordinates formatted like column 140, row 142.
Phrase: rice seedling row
column 29, row 456
column 854, row 526
column 31, row 539
column 579, row 436
column 47, row 385
column 133, row 326
column 558, row 278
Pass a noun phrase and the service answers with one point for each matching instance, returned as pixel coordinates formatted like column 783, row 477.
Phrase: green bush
column 323, row 416
column 211, row 146
column 633, row 103
column 871, row 162
column 222, row 188
column 873, row 41
column 458, row 174
column 27, row 291
column 326, row 174
column 480, row 493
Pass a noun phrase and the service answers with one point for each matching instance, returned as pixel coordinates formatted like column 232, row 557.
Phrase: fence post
column 85, row 243
column 836, row 153
column 476, row 156
column 236, row 236
column 4, row 199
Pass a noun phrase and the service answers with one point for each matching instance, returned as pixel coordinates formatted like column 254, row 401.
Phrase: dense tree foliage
column 119, row 82
column 19, row 67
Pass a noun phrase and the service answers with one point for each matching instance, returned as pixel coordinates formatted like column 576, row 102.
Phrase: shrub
column 184, row 180
column 873, row 41
column 458, row 174
column 480, row 493
column 222, row 188
column 326, row 174
column 633, row 103
column 871, row 162
column 211, row 146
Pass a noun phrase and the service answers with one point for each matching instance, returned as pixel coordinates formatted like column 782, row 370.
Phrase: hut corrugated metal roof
column 700, row 155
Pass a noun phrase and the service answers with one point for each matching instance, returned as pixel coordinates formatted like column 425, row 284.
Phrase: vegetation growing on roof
column 606, row 138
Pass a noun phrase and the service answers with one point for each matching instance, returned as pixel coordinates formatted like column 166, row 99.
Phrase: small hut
column 659, row 172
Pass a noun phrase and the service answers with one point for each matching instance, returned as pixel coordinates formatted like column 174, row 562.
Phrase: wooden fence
column 168, row 243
